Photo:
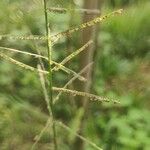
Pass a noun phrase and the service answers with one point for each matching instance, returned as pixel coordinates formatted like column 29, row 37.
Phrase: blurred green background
column 122, row 69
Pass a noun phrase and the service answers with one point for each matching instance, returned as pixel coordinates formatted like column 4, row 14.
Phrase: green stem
column 49, row 51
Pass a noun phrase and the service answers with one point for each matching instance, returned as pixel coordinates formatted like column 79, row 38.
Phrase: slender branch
column 67, row 128
column 84, row 94
column 85, row 25
column 56, row 37
column 23, row 37
column 90, row 23
column 49, row 51
column 43, row 81
column 65, row 10
column 62, row 67
column 46, row 97
column 38, row 137
column 72, row 55
column 78, row 135
column 71, row 80
column 20, row 64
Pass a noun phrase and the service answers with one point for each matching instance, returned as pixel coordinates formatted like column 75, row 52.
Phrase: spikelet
column 85, row 25
column 27, row 67
column 65, row 10
column 92, row 97
column 72, row 55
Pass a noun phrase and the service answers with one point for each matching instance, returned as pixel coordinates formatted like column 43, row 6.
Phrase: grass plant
column 48, row 88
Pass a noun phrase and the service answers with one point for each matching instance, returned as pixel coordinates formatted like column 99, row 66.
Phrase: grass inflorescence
column 48, row 88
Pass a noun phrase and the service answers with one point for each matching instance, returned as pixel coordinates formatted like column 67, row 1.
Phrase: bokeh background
column 121, row 71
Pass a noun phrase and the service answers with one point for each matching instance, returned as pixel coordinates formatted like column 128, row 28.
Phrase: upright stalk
column 88, row 34
column 49, row 51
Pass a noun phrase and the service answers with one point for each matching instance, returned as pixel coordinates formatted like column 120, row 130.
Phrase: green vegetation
column 121, row 72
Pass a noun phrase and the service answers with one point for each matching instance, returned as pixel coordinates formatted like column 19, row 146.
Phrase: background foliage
column 121, row 71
